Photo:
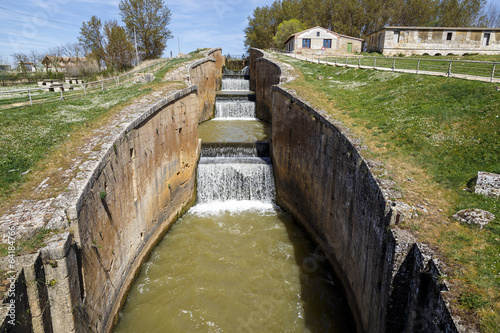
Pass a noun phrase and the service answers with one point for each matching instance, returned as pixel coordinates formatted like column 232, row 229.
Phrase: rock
column 474, row 216
column 422, row 209
column 402, row 212
column 388, row 189
column 144, row 77
column 488, row 184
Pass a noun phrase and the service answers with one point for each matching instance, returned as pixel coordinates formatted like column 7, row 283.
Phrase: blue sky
column 42, row 24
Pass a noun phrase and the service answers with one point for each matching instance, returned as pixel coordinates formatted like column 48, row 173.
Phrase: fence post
column 346, row 61
column 393, row 64
column 102, row 85
column 359, row 62
column 493, row 72
column 116, row 82
column 449, row 69
column 61, row 98
column 418, row 65
column 84, row 91
column 374, row 62
column 29, row 93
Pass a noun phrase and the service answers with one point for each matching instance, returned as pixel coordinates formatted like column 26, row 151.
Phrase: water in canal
column 235, row 262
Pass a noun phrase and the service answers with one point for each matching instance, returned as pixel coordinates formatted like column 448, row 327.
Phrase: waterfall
column 235, row 171
column 235, row 84
column 225, row 179
column 235, row 149
column 234, row 109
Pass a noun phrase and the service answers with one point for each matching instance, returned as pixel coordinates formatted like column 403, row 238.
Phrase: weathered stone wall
column 416, row 304
column 263, row 75
column 202, row 73
column 254, row 55
column 324, row 182
column 135, row 182
column 216, row 53
column 206, row 73
column 143, row 184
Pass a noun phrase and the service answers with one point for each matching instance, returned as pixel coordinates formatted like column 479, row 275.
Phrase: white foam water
column 235, row 109
column 222, row 180
column 235, row 84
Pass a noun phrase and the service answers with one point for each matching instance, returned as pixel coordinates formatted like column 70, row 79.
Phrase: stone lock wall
column 136, row 186
column 206, row 73
column 216, row 53
column 269, row 74
column 142, row 183
column 138, row 190
column 324, row 182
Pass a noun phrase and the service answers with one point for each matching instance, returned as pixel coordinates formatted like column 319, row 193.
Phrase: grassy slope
column 30, row 134
column 46, row 137
column 433, row 135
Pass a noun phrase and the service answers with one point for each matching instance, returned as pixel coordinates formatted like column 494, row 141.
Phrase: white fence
column 471, row 70
column 45, row 94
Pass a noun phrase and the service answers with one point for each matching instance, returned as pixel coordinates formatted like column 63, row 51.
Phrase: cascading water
column 234, row 109
column 226, row 177
column 235, row 149
column 235, row 262
column 235, row 84
column 223, row 179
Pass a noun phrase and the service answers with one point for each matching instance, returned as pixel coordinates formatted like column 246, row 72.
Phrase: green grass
column 423, row 63
column 27, row 246
column 450, row 129
column 30, row 134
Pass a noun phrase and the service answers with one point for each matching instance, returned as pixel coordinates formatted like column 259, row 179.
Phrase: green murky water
column 235, row 271
column 234, row 131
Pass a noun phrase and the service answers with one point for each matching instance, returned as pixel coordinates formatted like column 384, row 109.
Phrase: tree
column 119, row 49
column 285, row 30
column 21, row 59
column 491, row 17
column 149, row 20
column 416, row 13
column 259, row 32
column 92, row 39
column 358, row 18
column 57, row 54
column 460, row 13
column 35, row 57
column 73, row 50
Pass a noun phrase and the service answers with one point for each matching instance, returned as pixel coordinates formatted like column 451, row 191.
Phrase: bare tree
column 73, row 50
column 21, row 59
column 491, row 17
column 35, row 57
column 57, row 54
